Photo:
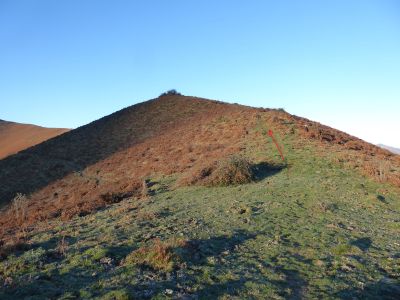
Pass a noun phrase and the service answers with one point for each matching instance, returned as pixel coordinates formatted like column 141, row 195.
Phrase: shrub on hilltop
column 171, row 92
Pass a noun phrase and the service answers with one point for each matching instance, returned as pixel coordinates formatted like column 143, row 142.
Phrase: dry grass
column 232, row 171
column 384, row 170
column 196, row 175
column 145, row 189
column 18, row 214
column 146, row 216
column 158, row 256
column 62, row 247
column 19, row 209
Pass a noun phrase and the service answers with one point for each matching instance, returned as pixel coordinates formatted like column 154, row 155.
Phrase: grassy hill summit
column 181, row 197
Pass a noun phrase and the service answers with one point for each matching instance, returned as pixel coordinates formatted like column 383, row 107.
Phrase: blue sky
column 66, row 63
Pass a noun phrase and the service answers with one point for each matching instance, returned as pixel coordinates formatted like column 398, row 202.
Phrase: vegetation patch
column 121, row 294
column 232, row 171
column 159, row 256
column 12, row 247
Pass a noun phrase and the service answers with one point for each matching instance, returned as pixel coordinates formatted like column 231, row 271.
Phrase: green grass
column 312, row 231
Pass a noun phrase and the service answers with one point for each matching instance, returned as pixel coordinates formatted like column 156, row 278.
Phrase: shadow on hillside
column 362, row 243
column 53, row 242
column 213, row 254
column 263, row 170
column 70, row 153
column 215, row 266
column 38, row 166
column 383, row 289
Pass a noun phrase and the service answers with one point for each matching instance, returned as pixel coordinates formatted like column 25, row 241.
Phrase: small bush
column 159, row 256
column 170, row 92
column 19, row 208
column 234, row 170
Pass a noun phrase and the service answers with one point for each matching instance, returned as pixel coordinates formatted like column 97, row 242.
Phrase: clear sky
column 66, row 63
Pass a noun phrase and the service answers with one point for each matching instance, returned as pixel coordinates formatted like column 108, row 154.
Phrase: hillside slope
column 71, row 174
column 74, row 173
column 391, row 149
column 324, row 223
column 15, row 137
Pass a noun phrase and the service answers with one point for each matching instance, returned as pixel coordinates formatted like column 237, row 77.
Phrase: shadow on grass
column 207, row 269
column 362, row 243
column 384, row 289
column 50, row 285
column 382, row 199
column 213, row 254
column 53, row 242
column 263, row 170
column 215, row 268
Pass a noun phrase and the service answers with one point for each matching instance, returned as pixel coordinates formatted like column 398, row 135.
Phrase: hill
column 391, row 149
column 15, row 137
column 144, row 204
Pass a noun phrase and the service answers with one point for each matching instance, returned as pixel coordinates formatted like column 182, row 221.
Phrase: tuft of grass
column 145, row 216
column 234, row 170
column 342, row 249
column 19, row 208
column 158, row 256
column 145, row 189
column 62, row 247
column 96, row 253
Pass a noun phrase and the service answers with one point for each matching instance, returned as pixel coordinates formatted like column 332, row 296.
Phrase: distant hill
column 15, row 137
column 391, row 149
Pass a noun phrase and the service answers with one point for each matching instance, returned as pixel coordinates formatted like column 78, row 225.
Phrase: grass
column 159, row 256
column 315, row 230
